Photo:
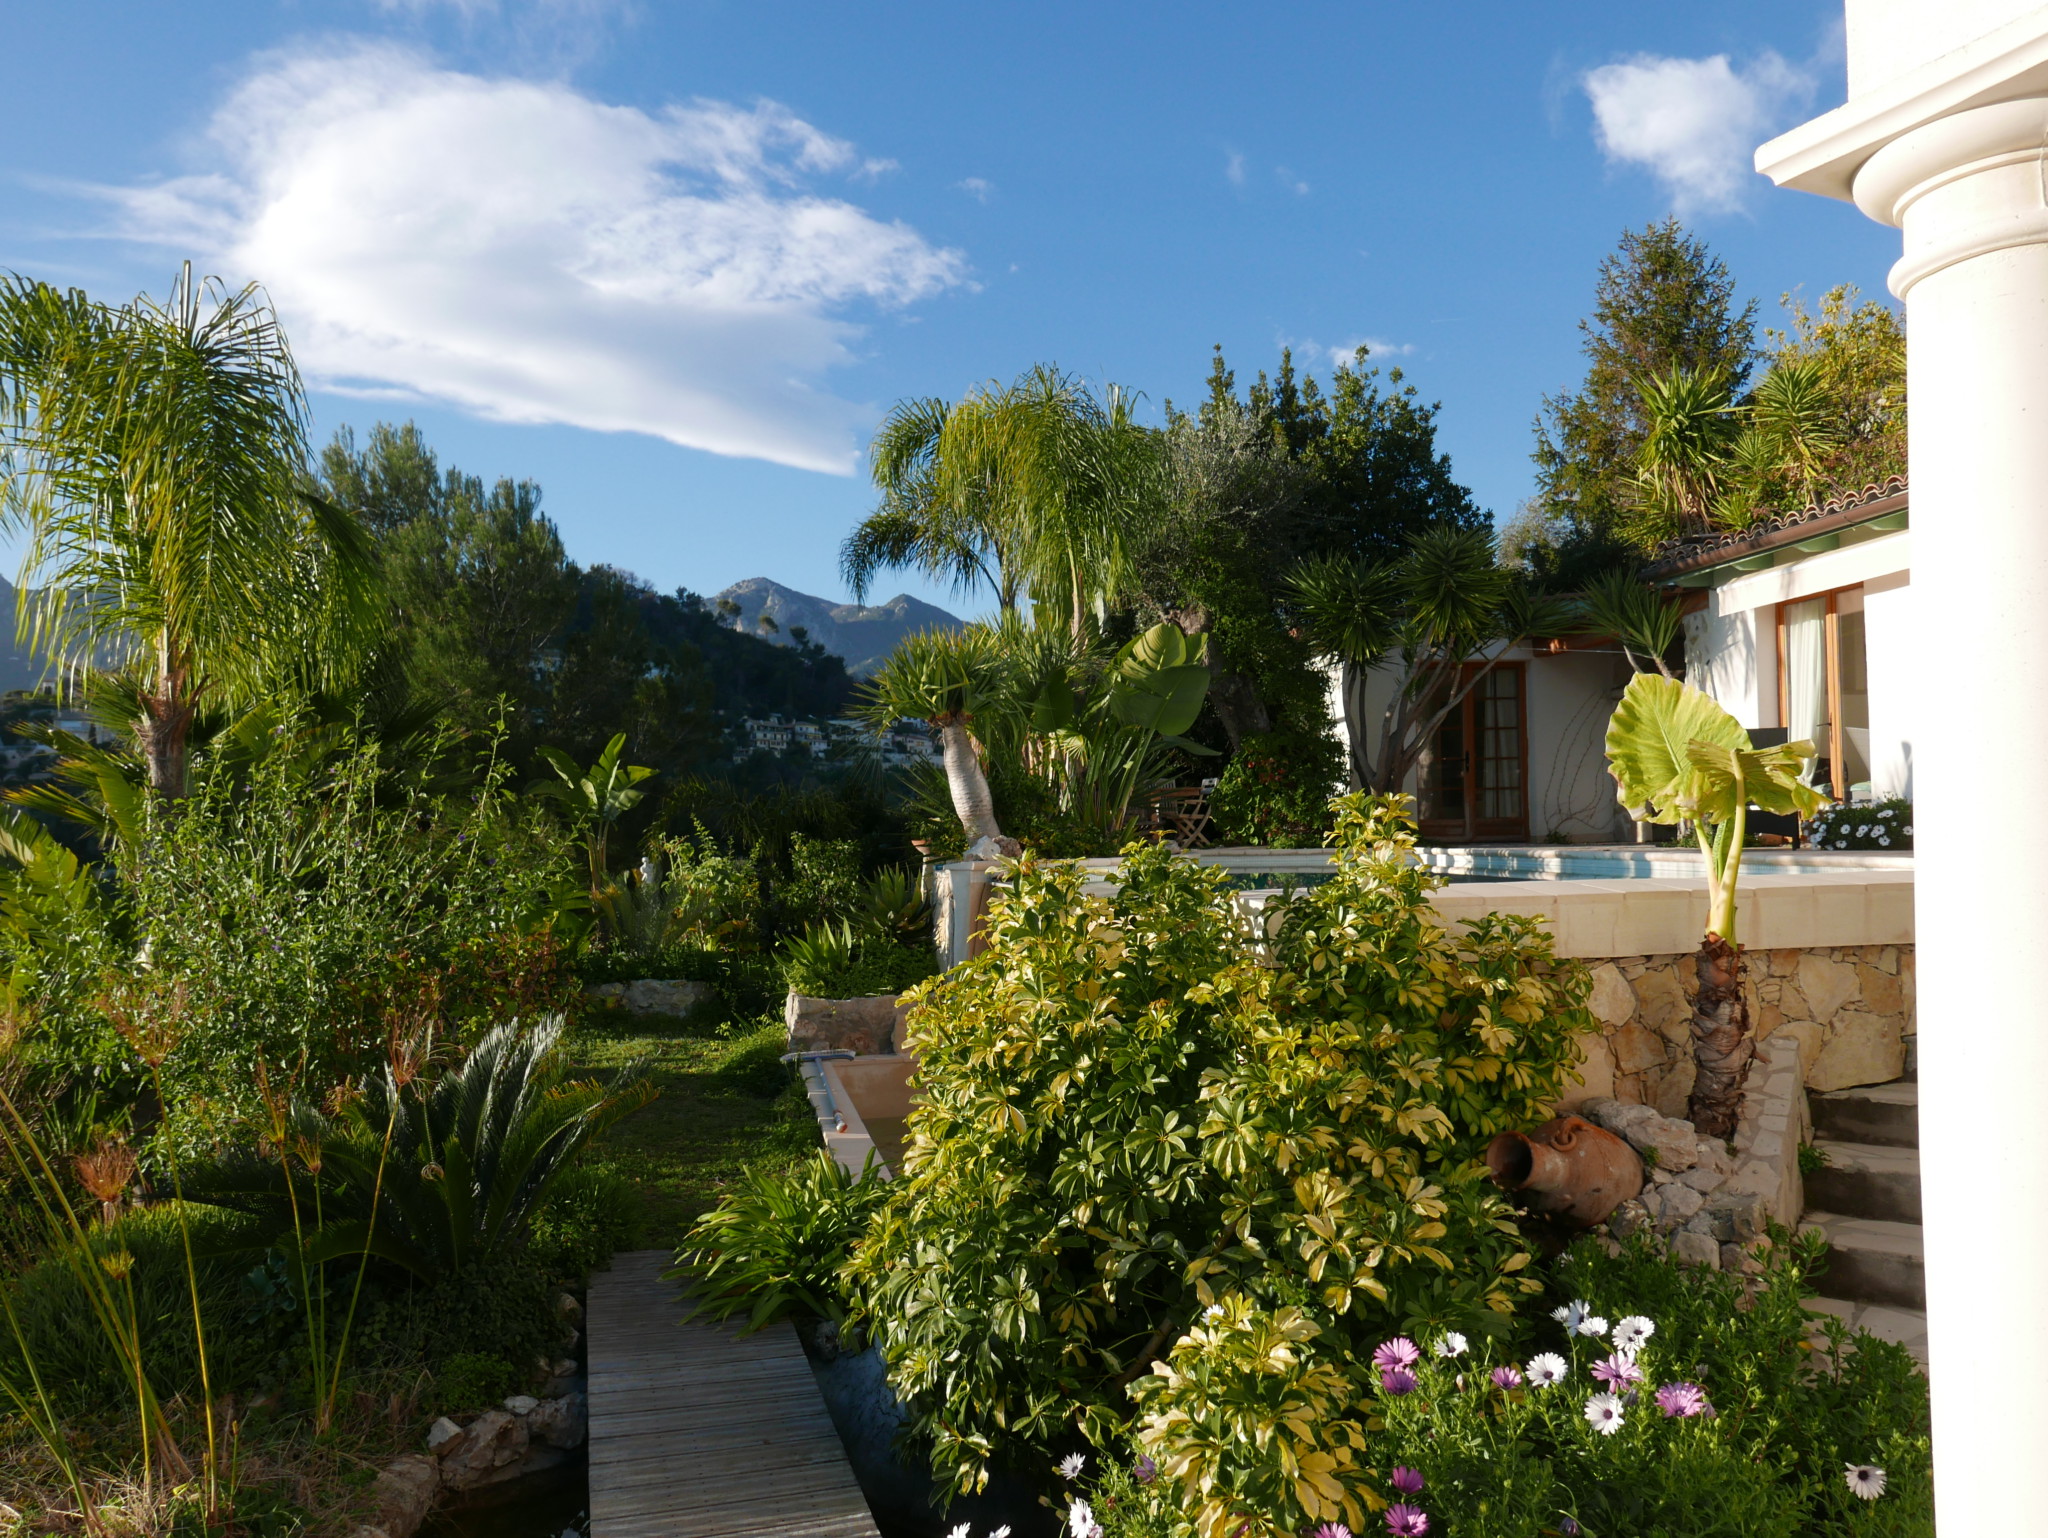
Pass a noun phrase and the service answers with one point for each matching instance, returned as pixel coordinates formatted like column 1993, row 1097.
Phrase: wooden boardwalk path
column 699, row 1432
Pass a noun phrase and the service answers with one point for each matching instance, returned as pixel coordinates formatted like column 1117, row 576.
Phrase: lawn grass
column 725, row 1103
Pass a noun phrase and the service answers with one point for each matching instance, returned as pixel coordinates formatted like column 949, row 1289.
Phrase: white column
column 1968, row 184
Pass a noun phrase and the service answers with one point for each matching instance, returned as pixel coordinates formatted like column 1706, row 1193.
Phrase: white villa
column 1801, row 627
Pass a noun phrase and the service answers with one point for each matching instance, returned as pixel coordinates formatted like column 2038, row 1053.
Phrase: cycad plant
column 433, row 1176
column 154, row 456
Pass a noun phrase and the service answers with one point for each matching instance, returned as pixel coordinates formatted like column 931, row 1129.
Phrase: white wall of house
column 1732, row 643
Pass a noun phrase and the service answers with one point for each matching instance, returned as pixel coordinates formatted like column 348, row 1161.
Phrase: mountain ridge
column 861, row 635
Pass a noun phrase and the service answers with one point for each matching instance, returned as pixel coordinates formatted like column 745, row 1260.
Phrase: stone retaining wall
column 1848, row 1007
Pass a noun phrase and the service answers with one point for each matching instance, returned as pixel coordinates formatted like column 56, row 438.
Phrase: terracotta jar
column 1577, row 1172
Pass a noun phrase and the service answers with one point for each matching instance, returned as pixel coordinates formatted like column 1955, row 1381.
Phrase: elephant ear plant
column 1678, row 757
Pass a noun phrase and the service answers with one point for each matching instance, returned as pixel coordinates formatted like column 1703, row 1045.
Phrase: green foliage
column 279, row 920
column 1275, row 792
column 1884, row 824
column 1789, row 1416
column 1645, row 621
column 590, row 1214
column 1435, row 616
column 1677, row 756
column 1663, row 301
column 774, row 1246
column 152, row 453
column 1126, row 1117
column 434, row 1175
column 594, row 798
column 474, row 1380
column 832, row 961
column 81, row 1367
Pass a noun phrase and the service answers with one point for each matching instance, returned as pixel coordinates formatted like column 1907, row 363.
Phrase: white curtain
column 1806, row 673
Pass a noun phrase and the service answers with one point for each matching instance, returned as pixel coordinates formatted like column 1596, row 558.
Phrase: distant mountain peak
column 862, row 635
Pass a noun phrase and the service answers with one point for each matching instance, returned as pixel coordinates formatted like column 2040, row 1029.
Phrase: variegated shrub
column 1148, row 1133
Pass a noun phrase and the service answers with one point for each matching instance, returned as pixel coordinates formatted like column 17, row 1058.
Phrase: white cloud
column 1233, row 168
column 1291, row 182
column 976, row 188
column 532, row 255
column 1693, row 123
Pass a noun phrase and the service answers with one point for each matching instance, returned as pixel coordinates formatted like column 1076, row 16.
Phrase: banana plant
column 596, row 797
column 1678, row 757
column 1145, row 700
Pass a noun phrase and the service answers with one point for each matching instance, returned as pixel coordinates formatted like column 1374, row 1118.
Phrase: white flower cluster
column 1884, row 825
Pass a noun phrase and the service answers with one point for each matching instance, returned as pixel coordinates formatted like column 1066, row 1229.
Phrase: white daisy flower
column 1630, row 1333
column 1001, row 1532
column 1070, row 1466
column 1544, row 1370
column 1603, row 1414
column 1080, row 1518
column 960, row 1532
column 1865, row 1480
column 1572, row 1315
column 1213, row 1311
column 1452, row 1344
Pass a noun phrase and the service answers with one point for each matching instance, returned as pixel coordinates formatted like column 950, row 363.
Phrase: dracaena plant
column 1678, row 757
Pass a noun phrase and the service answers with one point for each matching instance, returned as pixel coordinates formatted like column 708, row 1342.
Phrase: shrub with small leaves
column 1134, row 1111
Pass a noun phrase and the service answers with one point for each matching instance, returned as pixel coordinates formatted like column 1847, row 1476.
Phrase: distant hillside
column 18, row 668
column 863, row 635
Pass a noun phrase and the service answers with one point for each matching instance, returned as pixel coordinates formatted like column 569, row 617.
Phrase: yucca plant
column 893, row 906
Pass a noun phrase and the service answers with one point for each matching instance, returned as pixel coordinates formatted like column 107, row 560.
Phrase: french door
column 1474, row 781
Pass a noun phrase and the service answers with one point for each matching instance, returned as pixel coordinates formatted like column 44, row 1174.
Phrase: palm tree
column 949, row 678
column 1029, row 487
column 155, row 456
column 1692, row 424
column 1648, row 624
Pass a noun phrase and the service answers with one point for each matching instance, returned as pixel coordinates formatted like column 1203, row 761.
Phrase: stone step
column 1888, row 1114
column 1870, row 1260
column 1866, row 1180
column 1901, row 1326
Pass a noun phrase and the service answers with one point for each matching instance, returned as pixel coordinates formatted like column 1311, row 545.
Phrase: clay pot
column 1578, row 1172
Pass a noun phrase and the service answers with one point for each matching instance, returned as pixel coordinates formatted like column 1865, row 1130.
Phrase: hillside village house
column 1800, row 627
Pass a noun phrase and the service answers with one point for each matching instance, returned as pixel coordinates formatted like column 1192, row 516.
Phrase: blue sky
column 674, row 259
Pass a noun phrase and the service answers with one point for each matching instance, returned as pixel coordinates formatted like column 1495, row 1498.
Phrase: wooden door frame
column 1467, row 714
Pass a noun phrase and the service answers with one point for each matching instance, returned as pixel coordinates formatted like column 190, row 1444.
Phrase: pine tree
column 1663, row 301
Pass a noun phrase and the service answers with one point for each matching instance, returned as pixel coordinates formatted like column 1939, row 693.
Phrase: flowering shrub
column 1663, row 1401
column 1133, row 1131
column 1276, row 791
column 1886, row 824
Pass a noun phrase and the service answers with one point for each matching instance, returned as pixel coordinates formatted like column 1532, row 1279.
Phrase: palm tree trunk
column 164, row 731
column 972, row 802
column 1722, row 1043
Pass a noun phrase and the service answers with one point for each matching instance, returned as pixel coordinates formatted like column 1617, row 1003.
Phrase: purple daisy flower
column 1507, row 1377
column 1144, row 1470
column 1408, row 1481
column 1398, row 1352
column 1682, row 1399
column 1397, row 1380
column 1405, row 1521
column 1332, row 1530
column 1618, row 1371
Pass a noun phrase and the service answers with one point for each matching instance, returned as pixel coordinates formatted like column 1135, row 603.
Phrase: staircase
column 1867, row 1202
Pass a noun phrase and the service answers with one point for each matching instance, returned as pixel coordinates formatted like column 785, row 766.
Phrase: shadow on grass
column 726, row 1102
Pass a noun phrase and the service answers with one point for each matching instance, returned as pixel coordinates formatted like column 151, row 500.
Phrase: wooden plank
column 697, row 1431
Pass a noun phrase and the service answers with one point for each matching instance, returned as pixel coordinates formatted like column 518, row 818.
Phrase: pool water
column 889, row 1133
column 553, row 1504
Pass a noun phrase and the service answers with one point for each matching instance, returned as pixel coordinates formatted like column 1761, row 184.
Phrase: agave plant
column 437, row 1176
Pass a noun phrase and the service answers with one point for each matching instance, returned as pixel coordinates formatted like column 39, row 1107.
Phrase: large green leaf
column 1766, row 778
column 1167, row 701
column 1648, row 739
